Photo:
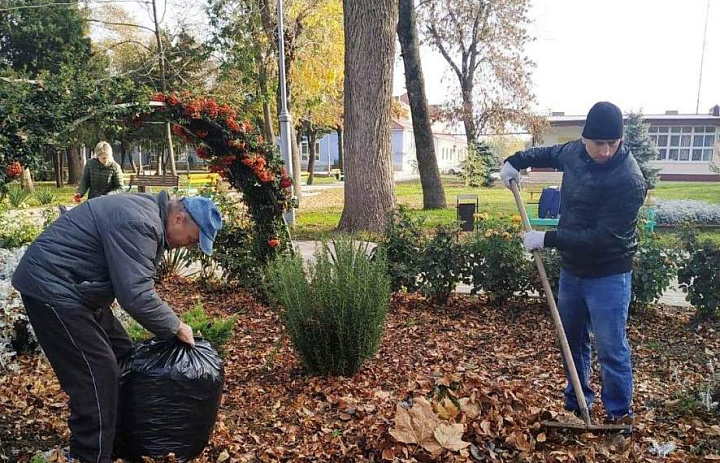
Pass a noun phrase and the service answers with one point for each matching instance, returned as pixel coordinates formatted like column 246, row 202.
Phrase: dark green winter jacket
column 101, row 180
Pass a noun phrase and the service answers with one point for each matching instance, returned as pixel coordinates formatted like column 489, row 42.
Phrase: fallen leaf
column 519, row 441
column 388, row 454
column 416, row 425
column 541, row 437
column 486, row 427
column 224, row 455
column 446, row 409
column 449, row 436
column 470, row 408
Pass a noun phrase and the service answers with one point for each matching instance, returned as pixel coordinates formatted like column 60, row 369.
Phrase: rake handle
column 574, row 378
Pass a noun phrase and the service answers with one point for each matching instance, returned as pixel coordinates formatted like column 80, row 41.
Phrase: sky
column 639, row 54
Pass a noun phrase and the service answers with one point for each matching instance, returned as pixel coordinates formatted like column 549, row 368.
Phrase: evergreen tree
column 478, row 166
column 637, row 140
column 34, row 40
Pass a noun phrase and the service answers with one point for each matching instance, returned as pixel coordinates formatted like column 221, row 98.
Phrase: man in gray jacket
column 105, row 249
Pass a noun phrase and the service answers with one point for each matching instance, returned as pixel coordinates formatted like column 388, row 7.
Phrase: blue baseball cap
column 207, row 217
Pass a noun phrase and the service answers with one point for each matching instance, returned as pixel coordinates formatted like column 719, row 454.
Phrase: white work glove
column 534, row 240
column 508, row 172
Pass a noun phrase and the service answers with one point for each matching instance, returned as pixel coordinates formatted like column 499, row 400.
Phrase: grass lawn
column 320, row 212
column 62, row 195
column 319, row 180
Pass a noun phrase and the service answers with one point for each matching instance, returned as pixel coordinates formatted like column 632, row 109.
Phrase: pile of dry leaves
column 466, row 382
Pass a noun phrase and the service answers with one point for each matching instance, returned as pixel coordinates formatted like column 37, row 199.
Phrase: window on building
column 684, row 143
column 305, row 151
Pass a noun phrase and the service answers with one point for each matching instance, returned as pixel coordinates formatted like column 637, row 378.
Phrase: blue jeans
column 600, row 306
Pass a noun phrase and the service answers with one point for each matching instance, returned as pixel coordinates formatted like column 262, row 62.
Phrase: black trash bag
column 169, row 398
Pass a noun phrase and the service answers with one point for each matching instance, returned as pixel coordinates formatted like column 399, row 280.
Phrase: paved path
column 672, row 297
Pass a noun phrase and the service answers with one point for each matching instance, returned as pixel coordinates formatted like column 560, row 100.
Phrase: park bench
column 535, row 221
column 534, row 182
column 199, row 180
column 338, row 174
column 143, row 182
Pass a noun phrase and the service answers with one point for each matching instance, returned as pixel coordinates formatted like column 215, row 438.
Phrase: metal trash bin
column 467, row 207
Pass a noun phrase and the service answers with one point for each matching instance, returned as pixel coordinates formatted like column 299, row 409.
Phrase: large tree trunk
column 312, row 137
column 433, row 192
column 369, row 55
column 297, row 165
column 123, row 154
column 58, row 165
column 467, row 115
column 75, row 164
column 130, row 155
column 267, row 118
column 26, row 181
column 339, row 131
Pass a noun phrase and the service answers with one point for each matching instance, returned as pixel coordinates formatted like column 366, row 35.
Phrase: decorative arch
column 236, row 150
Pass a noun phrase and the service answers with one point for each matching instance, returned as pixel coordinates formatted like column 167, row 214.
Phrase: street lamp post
column 285, row 119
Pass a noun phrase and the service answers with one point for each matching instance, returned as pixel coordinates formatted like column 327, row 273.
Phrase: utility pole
column 702, row 57
column 284, row 117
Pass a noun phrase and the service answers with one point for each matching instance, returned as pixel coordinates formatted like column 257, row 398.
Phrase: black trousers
column 84, row 347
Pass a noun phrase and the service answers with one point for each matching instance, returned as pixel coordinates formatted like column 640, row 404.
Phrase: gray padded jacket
column 106, row 248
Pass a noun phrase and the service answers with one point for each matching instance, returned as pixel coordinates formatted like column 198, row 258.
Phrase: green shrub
column 403, row 245
column 237, row 250
column 335, row 316
column 216, row 330
column 498, row 264
column 18, row 230
column 442, row 263
column 45, row 196
column 654, row 268
column 17, row 196
column 699, row 277
column 137, row 333
column 553, row 267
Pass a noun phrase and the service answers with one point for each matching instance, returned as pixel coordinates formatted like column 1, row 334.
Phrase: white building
column 688, row 144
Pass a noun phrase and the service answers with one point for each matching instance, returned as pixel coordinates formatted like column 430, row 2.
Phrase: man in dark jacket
column 602, row 192
column 105, row 249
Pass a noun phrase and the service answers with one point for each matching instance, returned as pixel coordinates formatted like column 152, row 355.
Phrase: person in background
column 101, row 176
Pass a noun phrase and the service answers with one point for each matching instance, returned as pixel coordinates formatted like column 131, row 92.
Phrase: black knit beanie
column 604, row 122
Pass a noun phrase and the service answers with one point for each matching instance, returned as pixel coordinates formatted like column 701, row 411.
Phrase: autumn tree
column 318, row 73
column 483, row 42
column 233, row 18
column 433, row 191
column 369, row 54
column 247, row 59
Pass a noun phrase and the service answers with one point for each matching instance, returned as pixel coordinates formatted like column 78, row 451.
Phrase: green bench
column 535, row 221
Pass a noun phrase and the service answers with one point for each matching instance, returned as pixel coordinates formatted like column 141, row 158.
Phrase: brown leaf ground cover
column 491, row 375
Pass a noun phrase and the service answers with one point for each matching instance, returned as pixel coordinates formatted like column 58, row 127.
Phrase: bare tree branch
column 110, row 23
